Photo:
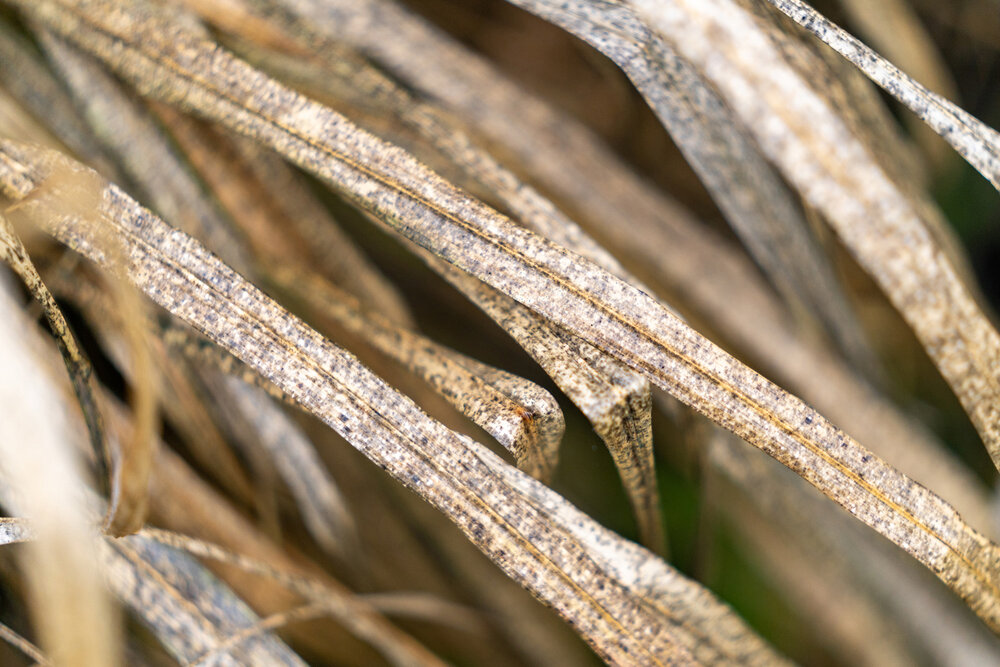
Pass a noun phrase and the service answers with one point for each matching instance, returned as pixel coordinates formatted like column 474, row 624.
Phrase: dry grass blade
column 130, row 133
column 334, row 71
column 184, row 403
column 72, row 611
column 836, row 173
column 565, row 288
column 522, row 416
column 123, row 468
column 332, row 602
column 895, row 28
column 190, row 611
column 908, row 600
column 614, row 399
column 978, row 143
column 757, row 204
column 185, row 502
column 626, row 602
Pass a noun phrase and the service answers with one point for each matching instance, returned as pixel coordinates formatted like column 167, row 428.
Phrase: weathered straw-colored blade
column 280, row 217
column 71, row 609
column 753, row 198
column 335, row 71
column 933, row 622
column 614, row 399
column 522, row 416
column 571, row 162
column 183, row 404
column 323, row 509
column 565, row 288
column 122, row 467
column 626, row 602
column 622, row 420
column 978, row 143
column 837, row 175
column 894, row 28
column 190, row 611
column 309, row 588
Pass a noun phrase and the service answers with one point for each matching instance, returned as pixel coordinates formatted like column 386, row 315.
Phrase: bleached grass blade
column 836, row 174
column 750, row 193
column 978, row 143
column 189, row 610
column 522, row 416
column 624, row 600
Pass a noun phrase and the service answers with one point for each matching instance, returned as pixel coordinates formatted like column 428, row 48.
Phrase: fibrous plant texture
column 655, row 317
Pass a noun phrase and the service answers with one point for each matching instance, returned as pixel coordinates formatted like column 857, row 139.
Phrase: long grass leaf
column 190, row 610
column 625, row 601
column 522, row 416
column 185, row 502
column 757, row 204
column 835, row 172
column 565, row 288
column 978, row 143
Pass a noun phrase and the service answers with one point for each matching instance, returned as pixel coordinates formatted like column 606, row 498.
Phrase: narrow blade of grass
column 978, row 143
column 836, row 173
column 624, row 600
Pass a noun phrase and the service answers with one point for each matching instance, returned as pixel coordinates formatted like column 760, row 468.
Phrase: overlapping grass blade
column 836, row 174
column 188, row 609
column 661, row 240
column 624, row 600
column 978, row 143
column 757, row 204
column 565, row 288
